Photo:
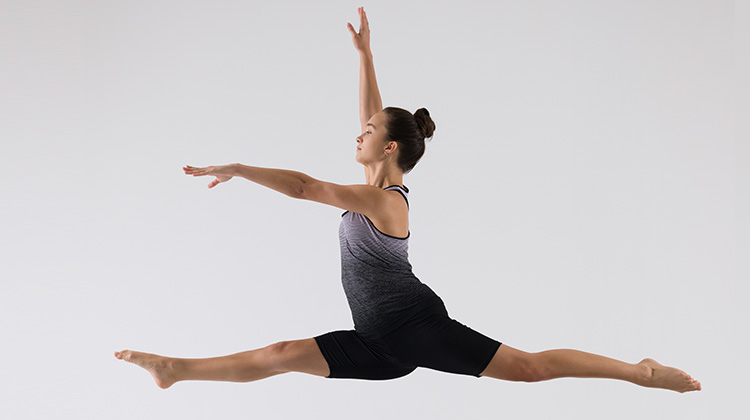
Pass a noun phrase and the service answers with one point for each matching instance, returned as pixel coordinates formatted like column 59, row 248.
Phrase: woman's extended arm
column 369, row 96
column 363, row 199
column 284, row 181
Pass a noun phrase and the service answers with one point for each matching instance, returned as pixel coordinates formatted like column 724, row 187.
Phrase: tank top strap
column 401, row 189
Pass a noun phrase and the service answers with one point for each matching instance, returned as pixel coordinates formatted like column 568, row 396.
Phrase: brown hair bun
column 425, row 123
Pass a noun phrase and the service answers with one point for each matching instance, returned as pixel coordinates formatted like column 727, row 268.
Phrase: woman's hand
column 362, row 39
column 222, row 173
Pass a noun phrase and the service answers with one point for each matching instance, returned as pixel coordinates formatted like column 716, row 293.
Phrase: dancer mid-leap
column 399, row 322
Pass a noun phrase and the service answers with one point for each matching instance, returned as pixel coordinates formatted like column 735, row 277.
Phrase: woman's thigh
column 352, row 355
column 513, row 365
column 439, row 342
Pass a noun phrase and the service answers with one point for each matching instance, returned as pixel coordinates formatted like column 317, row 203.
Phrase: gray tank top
column 376, row 274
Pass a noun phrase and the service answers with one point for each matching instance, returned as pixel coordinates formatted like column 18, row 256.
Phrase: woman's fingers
column 363, row 24
column 351, row 27
column 189, row 170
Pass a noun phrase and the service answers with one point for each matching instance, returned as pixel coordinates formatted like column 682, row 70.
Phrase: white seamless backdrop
column 581, row 191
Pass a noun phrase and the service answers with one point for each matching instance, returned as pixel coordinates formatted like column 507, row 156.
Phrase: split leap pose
column 399, row 322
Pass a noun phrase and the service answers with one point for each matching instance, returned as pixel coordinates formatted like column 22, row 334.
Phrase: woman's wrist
column 366, row 54
column 235, row 168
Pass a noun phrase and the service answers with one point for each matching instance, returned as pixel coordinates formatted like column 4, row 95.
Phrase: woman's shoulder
column 401, row 190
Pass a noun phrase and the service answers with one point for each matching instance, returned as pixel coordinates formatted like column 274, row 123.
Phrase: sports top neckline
column 400, row 186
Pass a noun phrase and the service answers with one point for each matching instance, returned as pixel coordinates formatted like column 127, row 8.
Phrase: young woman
column 399, row 322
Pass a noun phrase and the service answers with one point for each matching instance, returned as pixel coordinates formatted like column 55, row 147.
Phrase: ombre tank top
column 377, row 277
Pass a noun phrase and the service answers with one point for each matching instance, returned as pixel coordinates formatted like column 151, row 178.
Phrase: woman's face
column 373, row 143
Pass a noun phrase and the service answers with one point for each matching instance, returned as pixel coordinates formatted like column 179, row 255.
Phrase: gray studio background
column 581, row 191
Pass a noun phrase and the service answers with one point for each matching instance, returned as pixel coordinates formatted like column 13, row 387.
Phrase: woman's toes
column 125, row 355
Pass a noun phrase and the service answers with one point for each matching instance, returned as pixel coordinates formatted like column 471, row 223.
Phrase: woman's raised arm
column 369, row 96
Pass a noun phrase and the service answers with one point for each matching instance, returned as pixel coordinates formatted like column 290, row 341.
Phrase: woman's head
column 396, row 125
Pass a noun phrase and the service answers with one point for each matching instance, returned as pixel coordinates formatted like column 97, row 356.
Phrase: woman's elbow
column 305, row 187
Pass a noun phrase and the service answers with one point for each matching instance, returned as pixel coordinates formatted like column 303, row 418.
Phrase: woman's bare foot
column 660, row 376
column 160, row 367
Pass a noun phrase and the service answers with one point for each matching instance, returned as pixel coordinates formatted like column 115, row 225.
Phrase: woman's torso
column 376, row 273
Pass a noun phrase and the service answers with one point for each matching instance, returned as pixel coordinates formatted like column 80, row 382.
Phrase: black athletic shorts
column 428, row 339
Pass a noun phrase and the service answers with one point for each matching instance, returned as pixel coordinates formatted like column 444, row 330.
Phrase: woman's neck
column 383, row 176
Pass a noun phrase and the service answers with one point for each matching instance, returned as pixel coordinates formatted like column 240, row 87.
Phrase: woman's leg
column 516, row 365
column 286, row 356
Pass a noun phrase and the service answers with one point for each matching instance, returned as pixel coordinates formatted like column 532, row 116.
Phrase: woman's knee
column 296, row 356
column 275, row 356
column 537, row 368
column 527, row 368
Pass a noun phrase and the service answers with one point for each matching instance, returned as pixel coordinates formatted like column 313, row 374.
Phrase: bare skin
column 516, row 365
column 283, row 357
column 669, row 378
column 160, row 368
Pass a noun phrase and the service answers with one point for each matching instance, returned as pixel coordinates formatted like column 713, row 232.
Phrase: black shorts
column 428, row 339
